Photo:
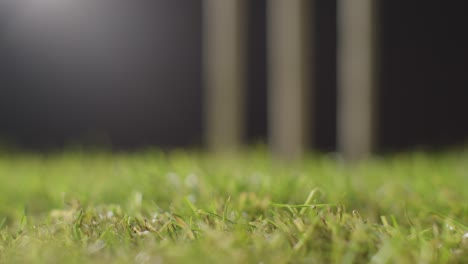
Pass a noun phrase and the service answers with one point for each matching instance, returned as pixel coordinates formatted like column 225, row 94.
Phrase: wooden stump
column 224, row 73
column 289, row 71
column 356, row 78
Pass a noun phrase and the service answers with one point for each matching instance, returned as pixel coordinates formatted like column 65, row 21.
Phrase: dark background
column 130, row 74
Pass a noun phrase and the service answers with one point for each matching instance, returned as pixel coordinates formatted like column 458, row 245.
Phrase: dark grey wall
column 424, row 83
column 118, row 71
column 130, row 73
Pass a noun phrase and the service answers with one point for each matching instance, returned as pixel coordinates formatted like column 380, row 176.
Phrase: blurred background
column 129, row 74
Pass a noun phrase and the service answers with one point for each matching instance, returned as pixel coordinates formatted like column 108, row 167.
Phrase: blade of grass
column 308, row 200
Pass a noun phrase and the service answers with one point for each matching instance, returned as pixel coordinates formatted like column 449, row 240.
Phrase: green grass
column 152, row 207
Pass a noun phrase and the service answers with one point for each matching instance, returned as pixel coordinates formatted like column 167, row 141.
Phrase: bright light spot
column 48, row 5
column 465, row 239
column 33, row 9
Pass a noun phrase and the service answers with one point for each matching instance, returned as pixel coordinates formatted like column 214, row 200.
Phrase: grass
column 178, row 207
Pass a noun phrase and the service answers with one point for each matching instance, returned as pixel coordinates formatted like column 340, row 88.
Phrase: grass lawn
column 152, row 207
